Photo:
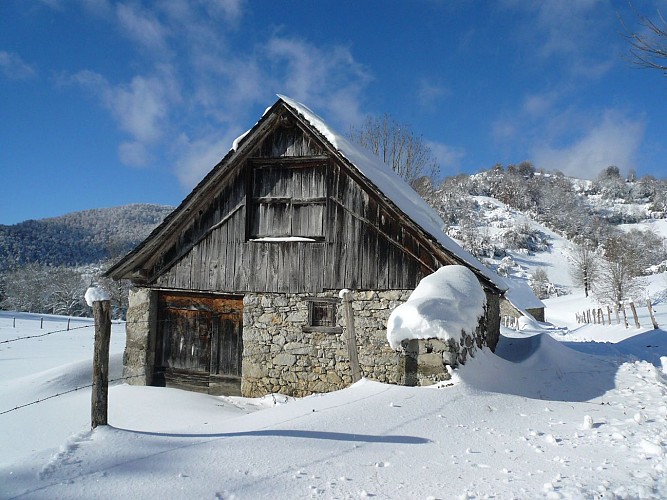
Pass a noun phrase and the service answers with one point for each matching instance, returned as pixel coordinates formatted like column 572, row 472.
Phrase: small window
column 322, row 316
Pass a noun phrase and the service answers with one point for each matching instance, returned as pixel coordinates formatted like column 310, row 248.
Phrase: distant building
column 520, row 300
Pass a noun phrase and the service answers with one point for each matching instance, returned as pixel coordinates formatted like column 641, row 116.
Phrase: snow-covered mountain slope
column 522, row 264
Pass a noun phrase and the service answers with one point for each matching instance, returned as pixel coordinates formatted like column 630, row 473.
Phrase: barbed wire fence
column 53, row 332
column 63, row 393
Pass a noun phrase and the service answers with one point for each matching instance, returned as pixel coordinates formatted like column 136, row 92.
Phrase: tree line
column 45, row 289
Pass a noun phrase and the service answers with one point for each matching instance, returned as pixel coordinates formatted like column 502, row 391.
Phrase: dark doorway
column 199, row 342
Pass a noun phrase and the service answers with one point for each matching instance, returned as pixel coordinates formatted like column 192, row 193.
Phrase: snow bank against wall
column 443, row 306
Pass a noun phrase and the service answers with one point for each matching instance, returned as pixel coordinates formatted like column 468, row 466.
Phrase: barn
column 238, row 290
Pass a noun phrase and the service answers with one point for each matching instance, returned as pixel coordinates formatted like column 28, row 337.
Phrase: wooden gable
column 284, row 213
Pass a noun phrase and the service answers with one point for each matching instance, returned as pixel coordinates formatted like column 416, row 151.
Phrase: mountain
column 79, row 238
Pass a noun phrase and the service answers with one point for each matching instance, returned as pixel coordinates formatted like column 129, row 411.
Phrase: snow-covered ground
column 549, row 415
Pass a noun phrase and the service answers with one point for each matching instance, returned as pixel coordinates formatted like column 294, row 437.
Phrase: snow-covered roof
column 521, row 295
column 394, row 187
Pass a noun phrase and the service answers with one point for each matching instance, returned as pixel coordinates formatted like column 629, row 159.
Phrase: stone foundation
column 281, row 354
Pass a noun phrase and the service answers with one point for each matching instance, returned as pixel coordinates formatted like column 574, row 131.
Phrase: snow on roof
column 394, row 187
column 443, row 305
column 521, row 295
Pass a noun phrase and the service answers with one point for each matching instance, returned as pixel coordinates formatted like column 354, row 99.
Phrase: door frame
column 227, row 306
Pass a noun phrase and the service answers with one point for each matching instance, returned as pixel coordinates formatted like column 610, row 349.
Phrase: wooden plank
column 283, row 251
column 272, row 276
column 383, row 263
column 352, row 256
column 296, row 274
column 351, row 338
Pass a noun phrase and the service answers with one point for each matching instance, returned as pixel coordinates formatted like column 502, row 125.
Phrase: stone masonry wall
column 425, row 361
column 279, row 356
column 139, row 355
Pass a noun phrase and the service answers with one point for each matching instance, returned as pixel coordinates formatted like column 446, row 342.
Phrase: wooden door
column 200, row 342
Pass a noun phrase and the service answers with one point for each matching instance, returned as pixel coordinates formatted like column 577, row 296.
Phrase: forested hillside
column 584, row 211
column 78, row 238
column 609, row 229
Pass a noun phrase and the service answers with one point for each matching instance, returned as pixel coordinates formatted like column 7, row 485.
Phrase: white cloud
column 214, row 84
column 143, row 28
column 612, row 140
column 230, row 10
column 134, row 154
column 328, row 79
column 503, row 129
column 197, row 157
column 14, row 68
column 536, row 105
column 429, row 93
column 448, row 156
column 574, row 33
column 140, row 107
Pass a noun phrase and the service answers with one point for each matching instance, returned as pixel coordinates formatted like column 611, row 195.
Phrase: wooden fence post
column 100, row 392
column 634, row 313
column 351, row 336
column 650, row 311
column 625, row 316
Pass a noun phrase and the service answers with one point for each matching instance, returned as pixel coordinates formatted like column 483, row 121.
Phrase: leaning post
column 634, row 314
column 650, row 310
column 346, row 295
column 100, row 392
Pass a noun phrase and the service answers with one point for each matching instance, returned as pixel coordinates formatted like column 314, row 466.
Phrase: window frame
column 329, row 302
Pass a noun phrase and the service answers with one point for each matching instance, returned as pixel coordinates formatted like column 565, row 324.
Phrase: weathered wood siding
column 358, row 240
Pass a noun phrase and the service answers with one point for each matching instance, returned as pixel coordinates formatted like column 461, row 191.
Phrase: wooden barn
column 237, row 291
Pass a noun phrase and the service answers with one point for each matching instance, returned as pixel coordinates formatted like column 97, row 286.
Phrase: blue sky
column 107, row 102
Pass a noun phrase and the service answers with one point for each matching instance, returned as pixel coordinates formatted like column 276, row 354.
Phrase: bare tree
column 620, row 270
column 540, row 283
column 585, row 266
column 397, row 146
column 649, row 43
column 65, row 292
column 45, row 289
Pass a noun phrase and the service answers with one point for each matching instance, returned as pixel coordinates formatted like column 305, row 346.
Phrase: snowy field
column 550, row 415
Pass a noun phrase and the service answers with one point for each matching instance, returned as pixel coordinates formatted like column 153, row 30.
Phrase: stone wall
column 426, row 361
column 279, row 355
column 282, row 355
column 139, row 355
column 491, row 335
